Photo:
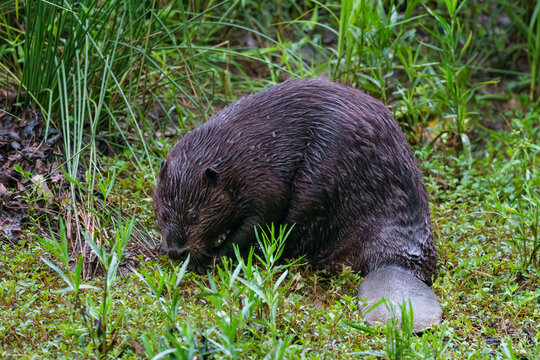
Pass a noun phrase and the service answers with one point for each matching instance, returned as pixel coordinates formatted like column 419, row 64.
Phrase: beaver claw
column 160, row 250
column 398, row 284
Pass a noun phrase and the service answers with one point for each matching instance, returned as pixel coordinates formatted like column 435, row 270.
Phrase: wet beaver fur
column 323, row 156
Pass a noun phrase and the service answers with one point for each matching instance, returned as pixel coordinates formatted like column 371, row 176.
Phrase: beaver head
column 193, row 208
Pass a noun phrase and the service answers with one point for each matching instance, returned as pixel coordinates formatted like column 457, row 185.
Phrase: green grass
column 461, row 77
column 490, row 304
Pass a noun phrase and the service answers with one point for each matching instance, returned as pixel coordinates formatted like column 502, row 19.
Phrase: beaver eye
column 194, row 217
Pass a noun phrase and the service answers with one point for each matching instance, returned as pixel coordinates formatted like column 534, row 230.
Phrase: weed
column 99, row 317
column 533, row 50
column 453, row 71
column 523, row 215
column 138, row 75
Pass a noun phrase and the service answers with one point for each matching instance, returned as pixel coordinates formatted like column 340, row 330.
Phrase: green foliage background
column 461, row 77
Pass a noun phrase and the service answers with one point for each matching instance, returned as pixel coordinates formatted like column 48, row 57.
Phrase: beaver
column 323, row 156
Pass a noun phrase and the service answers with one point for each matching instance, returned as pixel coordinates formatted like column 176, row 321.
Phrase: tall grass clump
column 370, row 35
column 57, row 32
column 453, row 67
column 533, row 51
column 10, row 44
column 132, row 50
column 79, row 121
column 452, row 74
column 80, row 62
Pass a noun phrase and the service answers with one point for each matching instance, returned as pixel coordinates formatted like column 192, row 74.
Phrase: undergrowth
column 121, row 81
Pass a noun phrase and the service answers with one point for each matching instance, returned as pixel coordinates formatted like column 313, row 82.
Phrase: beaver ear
column 212, row 176
column 163, row 165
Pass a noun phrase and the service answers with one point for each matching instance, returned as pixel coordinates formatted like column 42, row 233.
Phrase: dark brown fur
column 320, row 155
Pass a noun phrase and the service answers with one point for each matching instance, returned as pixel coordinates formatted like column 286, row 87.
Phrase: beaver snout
column 177, row 253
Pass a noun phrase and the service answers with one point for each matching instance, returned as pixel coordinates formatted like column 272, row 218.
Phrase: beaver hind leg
column 397, row 284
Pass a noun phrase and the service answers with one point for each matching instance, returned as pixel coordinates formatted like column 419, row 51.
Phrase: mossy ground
column 487, row 300
column 461, row 78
